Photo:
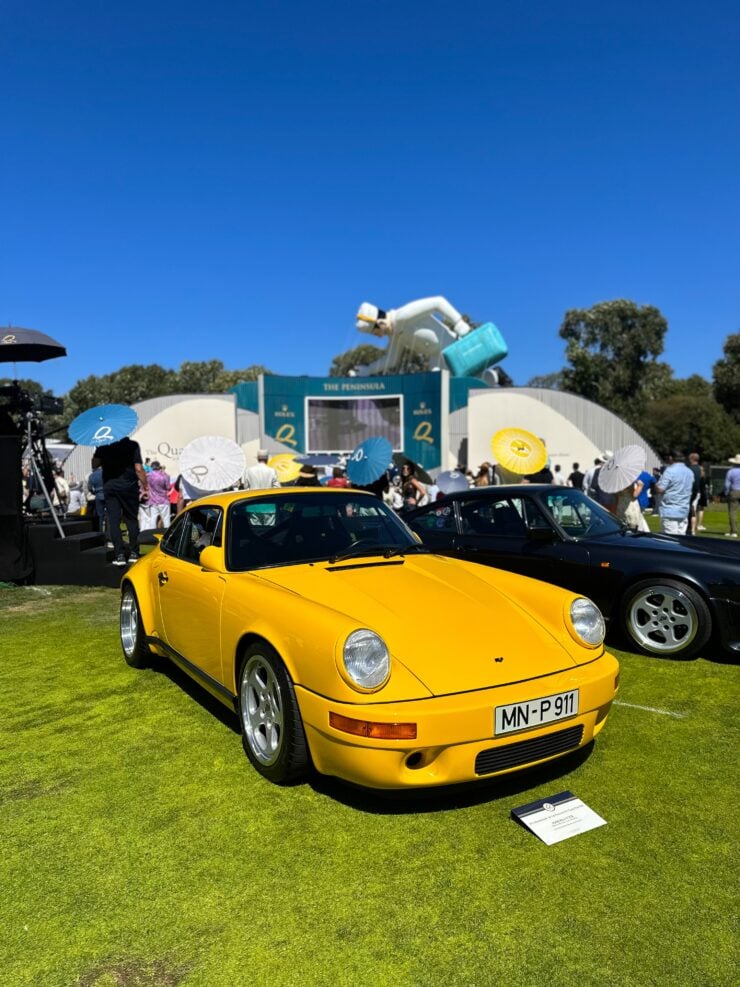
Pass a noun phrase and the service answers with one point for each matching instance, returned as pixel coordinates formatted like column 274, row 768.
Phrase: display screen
column 340, row 424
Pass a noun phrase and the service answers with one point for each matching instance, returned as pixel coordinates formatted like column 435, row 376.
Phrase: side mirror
column 211, row 559
column 152, row 536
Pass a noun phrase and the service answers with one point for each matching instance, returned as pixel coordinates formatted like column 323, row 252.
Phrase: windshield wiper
column 402, row 550
column 387, row 551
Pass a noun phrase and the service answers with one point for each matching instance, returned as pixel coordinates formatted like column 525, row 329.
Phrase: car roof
column 224, row 499
column 508, row 488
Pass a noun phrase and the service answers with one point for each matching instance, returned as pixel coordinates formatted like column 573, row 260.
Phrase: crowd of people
column 678, row 493
column 123, row 489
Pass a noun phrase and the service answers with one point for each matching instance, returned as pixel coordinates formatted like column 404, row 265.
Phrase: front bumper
column 455, row 742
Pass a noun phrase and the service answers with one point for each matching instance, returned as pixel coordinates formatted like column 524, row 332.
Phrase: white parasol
column 622, row 469
column 212, row 463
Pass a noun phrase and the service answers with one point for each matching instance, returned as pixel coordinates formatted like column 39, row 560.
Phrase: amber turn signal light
column 378, row 731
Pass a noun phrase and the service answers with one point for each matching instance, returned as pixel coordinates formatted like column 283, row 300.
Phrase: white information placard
column 557, row 817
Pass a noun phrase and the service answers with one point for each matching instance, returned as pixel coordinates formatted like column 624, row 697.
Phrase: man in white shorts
column 674, row 490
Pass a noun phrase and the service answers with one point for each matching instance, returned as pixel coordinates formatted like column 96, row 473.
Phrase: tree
column 359, row 356
column 87, row 393
column 726, row 377
column 199, row 377
column 690, row 423
column 611, row 348
column 211, row 377
column 125, row 386
column 551, row 382
column 230, row 378
column 694, row 386
column 137, row 383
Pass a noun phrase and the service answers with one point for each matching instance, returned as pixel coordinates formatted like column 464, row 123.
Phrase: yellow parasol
column 286, row 466
column 518, row 450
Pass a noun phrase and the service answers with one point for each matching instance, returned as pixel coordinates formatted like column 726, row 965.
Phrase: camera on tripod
column 17, row 405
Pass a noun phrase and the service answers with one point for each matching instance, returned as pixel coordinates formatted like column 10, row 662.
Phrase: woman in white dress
column 627, row 507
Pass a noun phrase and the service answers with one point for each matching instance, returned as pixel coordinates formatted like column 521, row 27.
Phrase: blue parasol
column 103, row 425
column 369, row 461
column 450, row 481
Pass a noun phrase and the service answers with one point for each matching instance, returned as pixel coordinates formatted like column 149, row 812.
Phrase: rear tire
column 665, row 619
column 133, row 636
column 271, row 724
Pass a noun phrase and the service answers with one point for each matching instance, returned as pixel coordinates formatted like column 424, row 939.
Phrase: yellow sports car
column 343, row 643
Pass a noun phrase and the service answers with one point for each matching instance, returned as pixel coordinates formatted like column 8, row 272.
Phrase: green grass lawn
column 139, row 848
column 716, row 521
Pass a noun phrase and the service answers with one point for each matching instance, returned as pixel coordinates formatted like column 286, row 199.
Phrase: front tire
column 133, row 637
column 271, row 725
column 666, row 619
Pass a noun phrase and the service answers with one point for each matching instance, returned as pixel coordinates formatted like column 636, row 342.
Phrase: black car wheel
column 133, row 637
column 272, row 729
column 666, row 619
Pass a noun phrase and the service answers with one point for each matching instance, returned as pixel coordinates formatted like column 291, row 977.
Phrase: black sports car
column 670, row 596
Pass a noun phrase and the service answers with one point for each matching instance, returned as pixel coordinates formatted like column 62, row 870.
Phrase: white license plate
column 535, row 713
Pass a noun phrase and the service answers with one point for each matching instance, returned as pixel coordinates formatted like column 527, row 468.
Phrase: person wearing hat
column 307, row 477
column 261, row 476
column 732, row 492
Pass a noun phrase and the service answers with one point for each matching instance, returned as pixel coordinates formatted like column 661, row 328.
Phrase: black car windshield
column 285, row 529
column 578, row 515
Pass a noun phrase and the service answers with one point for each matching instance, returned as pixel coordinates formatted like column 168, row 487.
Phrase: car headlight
column 366, row 659
column 586, row 622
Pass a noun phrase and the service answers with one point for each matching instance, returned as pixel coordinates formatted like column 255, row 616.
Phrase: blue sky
column 229, row 181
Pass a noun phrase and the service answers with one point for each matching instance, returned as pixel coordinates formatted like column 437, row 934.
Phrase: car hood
column 445, row 620
column 685, row 544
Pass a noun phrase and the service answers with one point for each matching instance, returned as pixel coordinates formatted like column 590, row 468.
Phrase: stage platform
column 78, row 559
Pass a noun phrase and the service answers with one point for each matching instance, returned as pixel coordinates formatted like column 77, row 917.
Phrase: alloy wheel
column 129, row 624
column 261, row 709
column 662, row 619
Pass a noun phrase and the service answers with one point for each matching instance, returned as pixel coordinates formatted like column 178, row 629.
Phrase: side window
column 440, row 519
column 171, row 540
column 533, row 515
column 202, row 528
column 481, row 516
column 571, row 513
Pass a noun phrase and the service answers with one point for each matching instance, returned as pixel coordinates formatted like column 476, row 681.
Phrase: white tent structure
column 167, row 424
column 573, row 429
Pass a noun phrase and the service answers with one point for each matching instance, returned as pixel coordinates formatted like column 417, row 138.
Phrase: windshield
column 310, row 527
column 578, row 515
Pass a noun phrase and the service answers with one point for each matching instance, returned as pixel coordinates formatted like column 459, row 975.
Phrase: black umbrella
column 421, row 474
column 22, row 345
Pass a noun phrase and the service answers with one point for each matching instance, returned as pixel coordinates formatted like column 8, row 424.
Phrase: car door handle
column 163, row 578
column 468, row 548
